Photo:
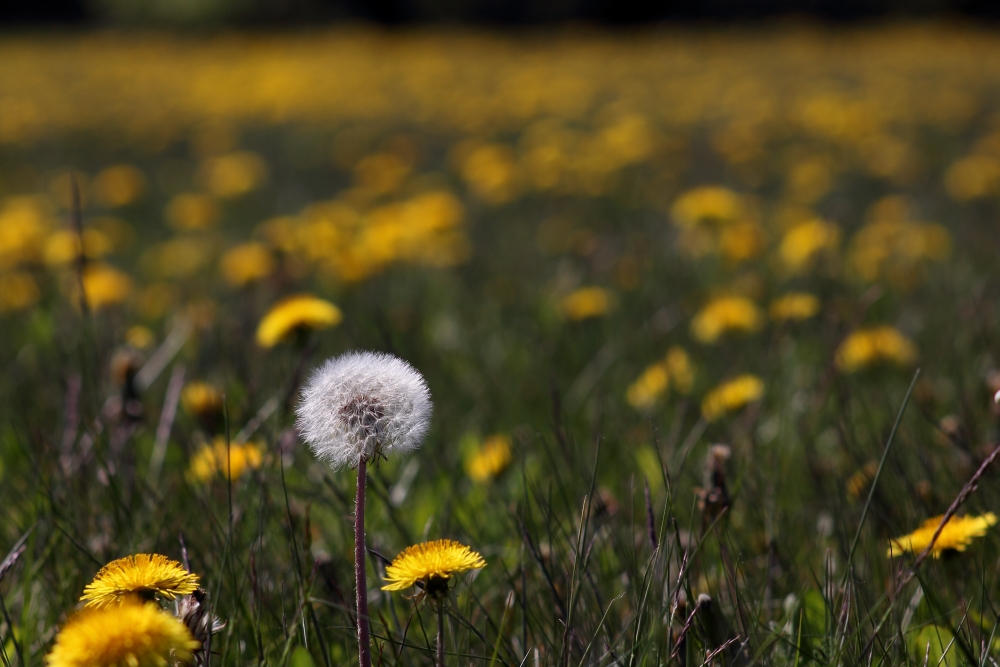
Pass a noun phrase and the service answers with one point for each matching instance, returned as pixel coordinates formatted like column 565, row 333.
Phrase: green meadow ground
column 452, row 195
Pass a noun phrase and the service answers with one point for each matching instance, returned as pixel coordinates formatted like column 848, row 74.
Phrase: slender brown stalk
column 440, row 635
column 360, row 579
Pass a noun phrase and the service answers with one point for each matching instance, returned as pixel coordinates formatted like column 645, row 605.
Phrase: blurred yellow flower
column 127, row 635
column 741, row 241
column 489, row 459
column 381, row 173
column 104, row 286
column 139, row 576
column 725, row 314
column 794, row 306
column 654, row 382
column 894, row 248
column 707, row 204
column 18, row 290
column 192, row 211
column 957, row 534
column 649, row 387
column 24, row 224
column 868, row 346
column 585, row 303
column 180, row 257
column 119, row 185
column 731, row 395
column 805, row 240
column 973, row 177
column 296, row 313
column 858, row 482
column 139, row 337
column 681, row 370
column 809, row 181
column 155, row 300
column 233, row 175
column 490, row 172
column 627, row 140
column 246, row 263
column 217, row 459
column 431, row 564
column 201, row 399
column 280, row 233
column 63, row 246
column 117, row 233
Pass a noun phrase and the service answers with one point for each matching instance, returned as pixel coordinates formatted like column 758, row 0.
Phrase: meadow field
column 710, row 320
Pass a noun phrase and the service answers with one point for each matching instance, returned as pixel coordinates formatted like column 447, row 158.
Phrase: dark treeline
column 256, row 13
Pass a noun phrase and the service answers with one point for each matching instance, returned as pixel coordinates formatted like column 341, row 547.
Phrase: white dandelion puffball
column 361, row 405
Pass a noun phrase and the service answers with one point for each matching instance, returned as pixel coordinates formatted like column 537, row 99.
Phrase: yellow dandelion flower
column 491, row 172
column 895, row 249
column 18, row 290
column 858, row 482
column 295, row 313
column 200, row 399
column 586, row 302
column 24, row 224
column 804, row 241
column 723, row 314
column 119, row 185
column 217, row 459
column 957, row 534
column 431, row 564
column 233, row 175
column 140, row 575
column 246, row 263
column 192, row 211
column 105, row 286
column 382, row 172
column 973, row 177
column 129, row 635
column 741, row 241
column 63, row 246
column 794, row 306
column 731, row 395
column 649, row 387
column 490, row 459
column 179, row 257
column 868, row 346
column 706, row 204
column 139, row 337
column 681, row 370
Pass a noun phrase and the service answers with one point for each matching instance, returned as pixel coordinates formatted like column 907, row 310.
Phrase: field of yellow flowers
column 710, row 320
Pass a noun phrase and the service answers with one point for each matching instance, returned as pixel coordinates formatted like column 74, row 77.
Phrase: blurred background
column 216, row 13
column 582, row 220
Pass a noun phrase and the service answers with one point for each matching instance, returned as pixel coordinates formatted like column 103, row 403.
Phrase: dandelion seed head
column 361, row 405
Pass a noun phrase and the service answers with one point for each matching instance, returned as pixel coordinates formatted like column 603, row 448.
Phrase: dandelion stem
column 440, row 634
column 364, row 651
